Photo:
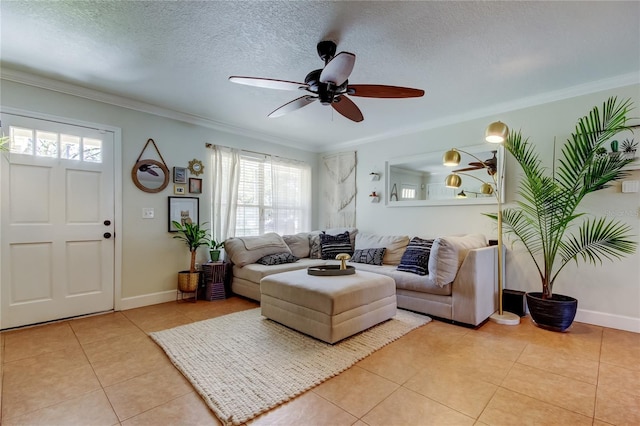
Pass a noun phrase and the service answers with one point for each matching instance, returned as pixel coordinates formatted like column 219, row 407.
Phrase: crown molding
column 96, row 95
column 502, row 108
column 124, row 102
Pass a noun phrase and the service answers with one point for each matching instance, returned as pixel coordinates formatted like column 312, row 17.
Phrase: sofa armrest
column 475, row 288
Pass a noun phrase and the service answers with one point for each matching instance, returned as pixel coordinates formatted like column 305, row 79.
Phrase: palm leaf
column 546, row 210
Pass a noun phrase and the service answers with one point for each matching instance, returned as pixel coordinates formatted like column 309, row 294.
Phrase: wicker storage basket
column 188, row 282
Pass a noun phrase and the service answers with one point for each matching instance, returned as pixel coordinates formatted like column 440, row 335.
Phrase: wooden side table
column 215, row 278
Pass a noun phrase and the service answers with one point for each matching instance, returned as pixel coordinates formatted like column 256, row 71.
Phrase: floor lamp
column 496, row 133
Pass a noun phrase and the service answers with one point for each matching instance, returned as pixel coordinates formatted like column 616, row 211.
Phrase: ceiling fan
column 330, row 85
column 491, row 165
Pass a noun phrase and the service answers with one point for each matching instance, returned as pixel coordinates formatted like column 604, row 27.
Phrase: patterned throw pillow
column 416, row 257
column 277, row 259
column 332, row 245
column 371, row 256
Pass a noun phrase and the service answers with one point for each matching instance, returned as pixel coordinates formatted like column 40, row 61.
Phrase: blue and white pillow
column 333, row 245
column 416, row 257
column 370, row 256
column 277, row 259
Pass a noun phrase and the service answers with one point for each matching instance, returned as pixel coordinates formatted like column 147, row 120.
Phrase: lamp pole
column 499, row 317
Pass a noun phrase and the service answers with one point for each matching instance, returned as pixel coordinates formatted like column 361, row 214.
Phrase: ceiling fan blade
column 382, row 91
column 268, row 83
column 347, row 108
column 292, row 106
column 338, row 70
column 477, row 164
column 468, row 169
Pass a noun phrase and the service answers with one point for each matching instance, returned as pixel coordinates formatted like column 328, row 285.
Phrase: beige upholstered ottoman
column 326, row 307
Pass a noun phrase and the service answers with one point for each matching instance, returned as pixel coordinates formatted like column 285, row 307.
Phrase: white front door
column 56, row 225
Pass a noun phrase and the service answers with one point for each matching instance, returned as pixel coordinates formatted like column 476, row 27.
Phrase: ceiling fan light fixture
column 461, row 194
column 451, row 158
column 337, row 71
column 496, row 132
column 453, row 181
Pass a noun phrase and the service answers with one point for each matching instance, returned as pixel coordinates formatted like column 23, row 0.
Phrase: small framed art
column 179, row 189
column 179, row 175
column 195, row 186
column 183, row 210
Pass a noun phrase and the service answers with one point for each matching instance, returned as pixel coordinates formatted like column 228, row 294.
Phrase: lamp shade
column 496, row 132
column 453, row 181
column 486, row 189
column 451, row 158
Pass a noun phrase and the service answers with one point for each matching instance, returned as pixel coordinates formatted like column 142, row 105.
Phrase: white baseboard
column 604, row 319
column 147, row 299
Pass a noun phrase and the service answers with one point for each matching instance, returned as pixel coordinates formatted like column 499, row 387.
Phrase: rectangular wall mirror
column 418, row 180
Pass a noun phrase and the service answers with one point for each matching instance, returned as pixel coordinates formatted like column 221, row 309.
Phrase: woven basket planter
column 187, row 281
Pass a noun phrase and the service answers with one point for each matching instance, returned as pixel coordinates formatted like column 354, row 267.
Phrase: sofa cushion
column 254, row 272
column 277, row 259
column 372, row 256
column 448, row 253
column 332, row 245
column 421, row 284
column 298, row 244
column 416, row 257
column 395, row 245
column 245, row 250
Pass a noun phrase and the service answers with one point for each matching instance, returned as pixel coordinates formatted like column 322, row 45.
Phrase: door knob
column 107, row 235
column 107, row 222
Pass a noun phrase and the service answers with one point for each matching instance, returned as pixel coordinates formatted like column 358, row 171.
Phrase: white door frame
column 117, row 187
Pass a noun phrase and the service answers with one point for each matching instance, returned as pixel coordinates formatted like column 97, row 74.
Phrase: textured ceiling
column 469, row 57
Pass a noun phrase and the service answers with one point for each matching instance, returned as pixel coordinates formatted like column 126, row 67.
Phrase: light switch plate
column 147, row 213
column 630, row 186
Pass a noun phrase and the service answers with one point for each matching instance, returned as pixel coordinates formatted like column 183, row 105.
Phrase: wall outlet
column 147, row 213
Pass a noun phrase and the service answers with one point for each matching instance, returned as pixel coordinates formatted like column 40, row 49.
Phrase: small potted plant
column 214, row 249
column 629, row 147
column 193, row 236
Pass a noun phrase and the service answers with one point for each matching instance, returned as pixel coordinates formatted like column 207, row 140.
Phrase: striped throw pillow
column 332, row 245
column 416, row 257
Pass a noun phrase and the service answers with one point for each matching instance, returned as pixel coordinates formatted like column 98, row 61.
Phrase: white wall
column 150, row 257
column 607, row 294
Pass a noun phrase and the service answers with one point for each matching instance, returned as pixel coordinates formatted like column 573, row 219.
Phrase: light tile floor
column 105, row 370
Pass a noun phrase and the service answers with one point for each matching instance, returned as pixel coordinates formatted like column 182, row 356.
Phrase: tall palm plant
column 546, row 220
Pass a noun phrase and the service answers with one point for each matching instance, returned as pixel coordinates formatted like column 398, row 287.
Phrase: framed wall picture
column 183, row 210
column 179, row 189
column 195, row 186
column 179, row 175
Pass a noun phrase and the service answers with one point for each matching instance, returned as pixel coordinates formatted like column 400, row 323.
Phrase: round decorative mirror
column 196, row 167
column 150, row 175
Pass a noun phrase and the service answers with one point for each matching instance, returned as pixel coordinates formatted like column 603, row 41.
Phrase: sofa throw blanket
column 266, row 240
column 245, row 250
column 338, row 177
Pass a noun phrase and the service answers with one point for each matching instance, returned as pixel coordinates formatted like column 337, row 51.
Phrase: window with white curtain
column 273, row 195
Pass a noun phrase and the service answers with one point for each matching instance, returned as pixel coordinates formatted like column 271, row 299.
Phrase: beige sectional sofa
column 461, row 284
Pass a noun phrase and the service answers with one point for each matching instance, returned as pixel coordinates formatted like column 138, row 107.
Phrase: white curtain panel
column 291, row 186
column 224, row 191
column 338, row 176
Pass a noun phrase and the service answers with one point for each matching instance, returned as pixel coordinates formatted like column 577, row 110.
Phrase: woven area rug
column 243, row 364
